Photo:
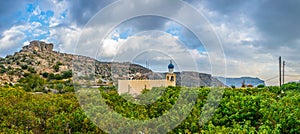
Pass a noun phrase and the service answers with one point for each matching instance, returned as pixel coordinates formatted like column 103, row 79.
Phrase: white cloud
column 65, row 38
column 11, row 38
column 156, row 46
column 26, row 43
column 111, row 46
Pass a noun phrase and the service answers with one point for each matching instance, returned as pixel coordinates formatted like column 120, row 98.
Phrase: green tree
column 32, row 83
column 67, row 74
column 45, row 75
column 56, row 68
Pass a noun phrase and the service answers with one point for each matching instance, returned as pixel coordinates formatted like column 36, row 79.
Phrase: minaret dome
column 171, row 67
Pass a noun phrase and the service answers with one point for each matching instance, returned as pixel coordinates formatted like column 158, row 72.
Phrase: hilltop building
column 135, row 87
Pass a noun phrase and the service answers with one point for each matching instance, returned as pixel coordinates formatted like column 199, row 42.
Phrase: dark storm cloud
column 82, row 10
column 278, row 20
column 226, row 6
column 144, row 23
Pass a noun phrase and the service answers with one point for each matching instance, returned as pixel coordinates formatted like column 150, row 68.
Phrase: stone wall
column 135, row 87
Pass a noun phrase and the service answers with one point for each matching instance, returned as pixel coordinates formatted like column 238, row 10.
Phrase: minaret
column 171, row 76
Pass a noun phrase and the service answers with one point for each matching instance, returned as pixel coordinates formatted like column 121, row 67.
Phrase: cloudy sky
column 252, row 34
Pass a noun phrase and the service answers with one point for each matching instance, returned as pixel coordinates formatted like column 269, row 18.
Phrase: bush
column 59, row 87
column 260, row 86
column 58, row 77
column 32, row 83
column 67, row 74
column 26, row 74
column 45, row 75
column 56, row 68
column 2, row 69
column 291, row 86
column 31, row 70
column 50, row 76
column 24, row 67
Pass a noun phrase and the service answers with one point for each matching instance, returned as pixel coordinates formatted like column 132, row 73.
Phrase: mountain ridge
column 238, row 82
column 39, row 58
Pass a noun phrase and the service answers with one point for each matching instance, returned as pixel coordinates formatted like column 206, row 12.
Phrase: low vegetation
column 241, row 110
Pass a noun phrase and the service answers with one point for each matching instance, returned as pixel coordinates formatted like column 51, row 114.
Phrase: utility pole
column 283, row 72
column 147, row 64
column 280, row 71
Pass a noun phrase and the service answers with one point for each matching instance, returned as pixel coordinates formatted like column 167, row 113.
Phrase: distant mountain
column 39, row 58
column 190, row 79
column 239, row 81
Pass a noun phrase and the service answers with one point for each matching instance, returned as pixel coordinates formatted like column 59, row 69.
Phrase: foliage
column 291, row 86
column 241, row 110
column 2, row 69
column 260, row 86
column 56, row 66
column 24, row 66
column 23, row 112
column 67, row 74
column 31, row 69
column 32, row 82
column 45, row 74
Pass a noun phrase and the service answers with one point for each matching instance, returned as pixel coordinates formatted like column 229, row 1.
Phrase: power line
column 293, row 75
column 271, row 78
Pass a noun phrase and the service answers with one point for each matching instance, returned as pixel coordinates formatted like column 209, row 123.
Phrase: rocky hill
column 39, row 58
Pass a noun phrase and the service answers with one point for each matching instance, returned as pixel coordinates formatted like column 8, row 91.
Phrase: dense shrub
column 24, row 66
column 2, row 69
column 56, row 66
column 253, row 110
column 31, row 70
column 260, row 86
column 32, row 82
column 291, row 86
column 67, row 74
column 45, row 74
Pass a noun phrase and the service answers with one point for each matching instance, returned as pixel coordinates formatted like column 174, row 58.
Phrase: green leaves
column 32, row 83
column 256, row 110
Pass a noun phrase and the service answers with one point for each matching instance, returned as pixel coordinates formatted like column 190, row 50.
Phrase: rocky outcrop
column 38, row 46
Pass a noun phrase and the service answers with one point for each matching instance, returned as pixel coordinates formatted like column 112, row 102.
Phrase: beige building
column 135, row 87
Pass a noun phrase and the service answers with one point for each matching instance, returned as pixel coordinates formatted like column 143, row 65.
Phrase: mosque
column 135, row 87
